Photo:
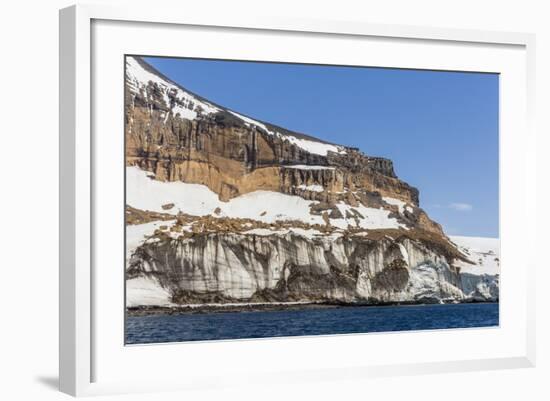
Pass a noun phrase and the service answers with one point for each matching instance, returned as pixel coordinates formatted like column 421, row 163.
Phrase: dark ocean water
column 233, row 325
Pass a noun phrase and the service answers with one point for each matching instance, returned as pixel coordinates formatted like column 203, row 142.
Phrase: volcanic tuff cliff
column 222, row 207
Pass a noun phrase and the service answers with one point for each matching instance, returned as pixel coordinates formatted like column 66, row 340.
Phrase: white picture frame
column 81, row 211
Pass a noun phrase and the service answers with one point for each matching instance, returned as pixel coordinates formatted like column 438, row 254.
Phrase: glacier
column 293, row 266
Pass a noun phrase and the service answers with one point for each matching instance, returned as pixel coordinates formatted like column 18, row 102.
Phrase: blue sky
column 439, row 128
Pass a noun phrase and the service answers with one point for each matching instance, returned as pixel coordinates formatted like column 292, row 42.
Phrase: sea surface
column 307, row 322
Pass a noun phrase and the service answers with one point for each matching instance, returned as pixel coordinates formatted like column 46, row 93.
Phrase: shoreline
column 190, row 309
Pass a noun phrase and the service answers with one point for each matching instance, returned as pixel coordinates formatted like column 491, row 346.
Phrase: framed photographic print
column 311, row 193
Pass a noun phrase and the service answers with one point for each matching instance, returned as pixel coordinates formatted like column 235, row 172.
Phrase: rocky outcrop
column 234, row 155
column 334, row 224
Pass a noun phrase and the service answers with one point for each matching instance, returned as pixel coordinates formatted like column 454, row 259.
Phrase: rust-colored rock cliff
column 173, row 136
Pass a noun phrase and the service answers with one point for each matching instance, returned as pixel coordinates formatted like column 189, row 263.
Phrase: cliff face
column 290, row 267
column 180, row 137
column 334, row 224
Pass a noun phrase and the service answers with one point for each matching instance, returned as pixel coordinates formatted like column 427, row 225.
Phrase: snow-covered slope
column 484, row 252
column 480, row 281
column 190, row 106
column 145, row 193
column 138, row 233
column 187, row 105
